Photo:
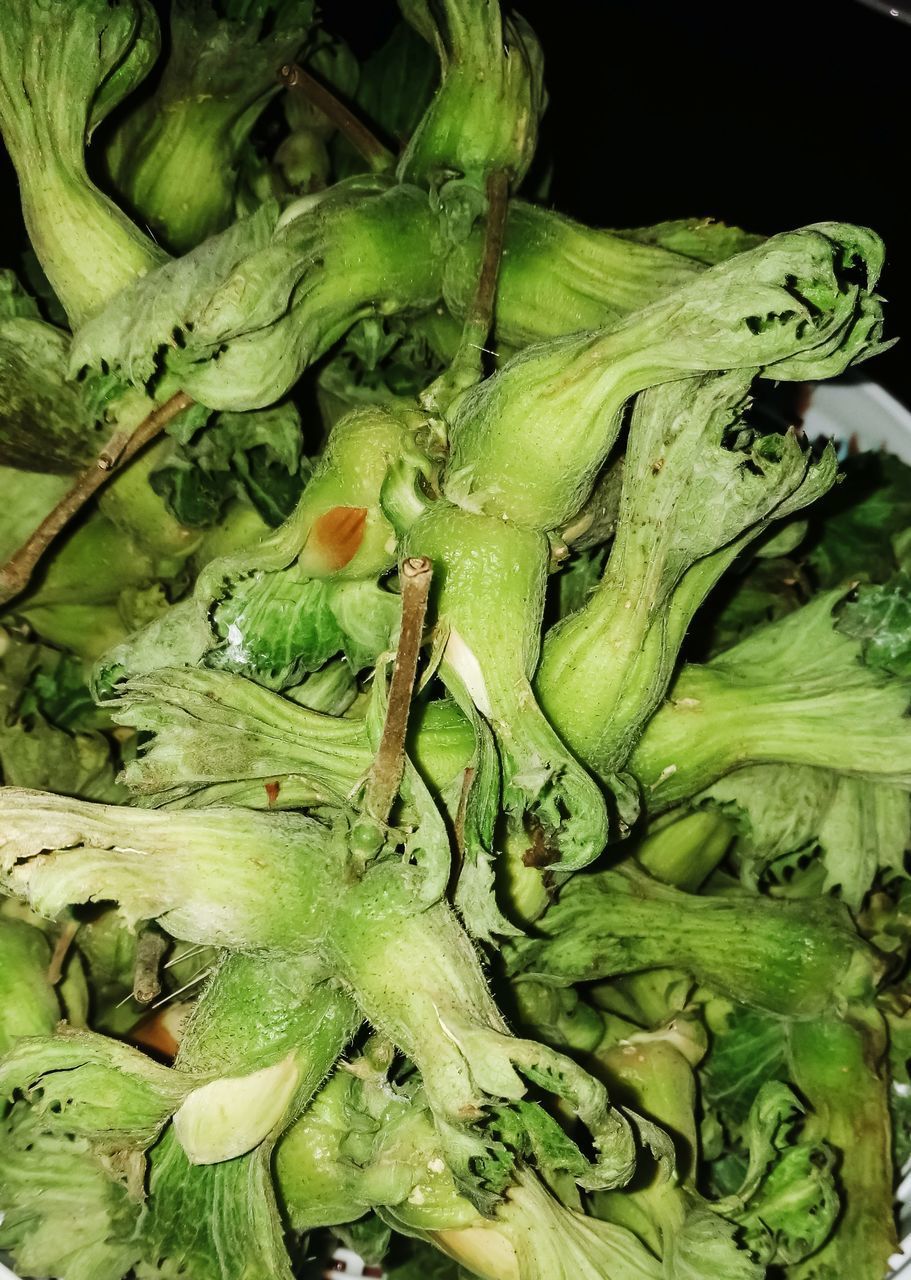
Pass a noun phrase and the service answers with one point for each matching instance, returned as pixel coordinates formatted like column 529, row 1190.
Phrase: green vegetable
column 791, row 958
column 217, row 81
column 64, row 67
column 698, row 485
column 789, row 307
column 488, row 607
column 470, row 823
column 238, row 319
column 796, row 692
column 485, row 113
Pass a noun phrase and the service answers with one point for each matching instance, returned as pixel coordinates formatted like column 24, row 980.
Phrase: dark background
column 768, row 114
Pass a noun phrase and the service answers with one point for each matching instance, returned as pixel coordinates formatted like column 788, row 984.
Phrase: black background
column 769, row 114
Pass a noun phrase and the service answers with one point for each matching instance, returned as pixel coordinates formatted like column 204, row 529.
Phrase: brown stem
column 479, row 320
column 150, row 948
column 389, row 764
column 467, row 367
column 365, row 143
column 61, row 951
column 120, row 449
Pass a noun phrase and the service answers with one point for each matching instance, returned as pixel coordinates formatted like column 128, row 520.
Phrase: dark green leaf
column 855, row 524
column 880, row 618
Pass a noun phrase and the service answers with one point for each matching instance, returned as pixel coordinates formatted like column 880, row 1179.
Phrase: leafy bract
column 792, row 307
column 252, row 1014
column 859, row 828
column 56, row 852
column 846, row 1100
column 396, row 83
column 702, row 239
column 64, row 1212
column 238, row 319
column 858, row 527
column 44, row 422
column 91, row 1085
column 63, row 69
column 489, row 599
column 790, row 958
column 215, row 736
column 28, row 1003
column 42, row 694
column 218, row 78
column 880, row 619
column 336, row 964
column 795, row 691
column 255, row 457
column 484, row 115
column 558, row 276
column 699, row 483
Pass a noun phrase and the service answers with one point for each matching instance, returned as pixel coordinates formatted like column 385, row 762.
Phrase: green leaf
column 88, row 1084
column 213, row 1221
column 767, row 590
column 275, row 627
column 789, row 815
column 794, row 1210
column 65, row 1212
column 252, row 455
column 705, row 1247
column 855, row 528
column 46, row 422
column 396, row 82
column 700, row 238
column 748, row 1049
column 880, row 619
column 576, row 582
column 28, row 1003
column 369, row 1238
column 59, row 691
column 237, row 320
column 35, row 754
column 218, row 78
column 194, row 497
column 866, row 830
column 36, row 682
